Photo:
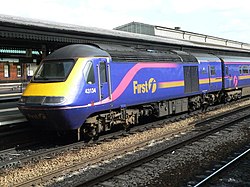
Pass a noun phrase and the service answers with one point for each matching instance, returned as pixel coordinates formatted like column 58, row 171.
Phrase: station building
column 11, row 70
column 177, row 33
column 16, row 69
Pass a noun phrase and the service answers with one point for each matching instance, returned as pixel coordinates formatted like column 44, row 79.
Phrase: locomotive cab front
column 47, row 85
column 57, row 96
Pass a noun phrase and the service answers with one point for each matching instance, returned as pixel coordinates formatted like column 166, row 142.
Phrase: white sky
column 229, row 19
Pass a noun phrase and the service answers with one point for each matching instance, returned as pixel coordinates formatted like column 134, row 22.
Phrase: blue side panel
column 210, row 74
column 237, row 71
column 137, row 83
column 232, row 76
column 238, row 75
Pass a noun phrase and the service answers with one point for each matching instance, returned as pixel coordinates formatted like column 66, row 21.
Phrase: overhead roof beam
column 18, row 31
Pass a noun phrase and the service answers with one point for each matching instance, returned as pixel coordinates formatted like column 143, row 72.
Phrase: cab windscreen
column 53, row 71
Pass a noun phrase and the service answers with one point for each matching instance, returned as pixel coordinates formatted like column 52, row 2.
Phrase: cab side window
column 89, row 74
column 103, row 72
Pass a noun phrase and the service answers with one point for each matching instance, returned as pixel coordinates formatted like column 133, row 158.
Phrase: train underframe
column 128, row 117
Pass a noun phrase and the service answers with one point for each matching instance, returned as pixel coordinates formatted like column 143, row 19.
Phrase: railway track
column 223, row 169
column 9, row 115
column 14, row 130
column 194, row 132
column 225, row 120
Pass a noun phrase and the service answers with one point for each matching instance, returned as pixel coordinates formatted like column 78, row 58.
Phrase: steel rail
column 204, row 181
column 119, row 170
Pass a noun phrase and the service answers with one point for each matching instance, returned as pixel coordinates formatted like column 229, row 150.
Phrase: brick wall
column 1, row 71
column 12, row 73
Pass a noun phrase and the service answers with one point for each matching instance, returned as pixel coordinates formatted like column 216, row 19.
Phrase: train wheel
column 228, row 98
column 239, row 96
column 126, row 126
column 90, row 132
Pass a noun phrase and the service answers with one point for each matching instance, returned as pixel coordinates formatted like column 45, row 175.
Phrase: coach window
column 226, row 70
column 6, row 70
column 212, row 70
column 240, row 70
column 245, row 70
column 103, row 72
column 204, row 71
column 19, row 70
column 88, row 72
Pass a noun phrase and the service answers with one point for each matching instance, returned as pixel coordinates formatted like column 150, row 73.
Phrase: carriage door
column 191, row 79
column 104, row 83
column 211, row 77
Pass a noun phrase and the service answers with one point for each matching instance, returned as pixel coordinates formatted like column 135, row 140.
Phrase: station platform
column 9, row 114
column 11, row 91
column 10, row 96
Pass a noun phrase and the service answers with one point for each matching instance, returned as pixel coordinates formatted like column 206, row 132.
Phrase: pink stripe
column 132, row 72
column 129, row 76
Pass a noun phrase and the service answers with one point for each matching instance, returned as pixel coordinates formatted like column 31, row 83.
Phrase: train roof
column 120, row 53
column 204, row 57
column 234, row 59
column 76, row 51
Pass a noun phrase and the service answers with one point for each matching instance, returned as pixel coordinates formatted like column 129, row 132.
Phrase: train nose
column 54, row 118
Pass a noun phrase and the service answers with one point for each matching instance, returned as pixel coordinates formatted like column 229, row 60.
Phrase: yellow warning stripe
column 244, row 77
column 171, row 84
column 181, row 83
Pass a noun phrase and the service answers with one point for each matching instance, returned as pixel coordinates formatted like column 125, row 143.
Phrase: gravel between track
column 34, row 169
column 180, row 166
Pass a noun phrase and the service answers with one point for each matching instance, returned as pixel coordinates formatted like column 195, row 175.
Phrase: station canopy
column 31, row 38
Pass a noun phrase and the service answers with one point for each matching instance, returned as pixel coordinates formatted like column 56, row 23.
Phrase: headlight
column 42, row 100
column 23, row 99
column 53, row 100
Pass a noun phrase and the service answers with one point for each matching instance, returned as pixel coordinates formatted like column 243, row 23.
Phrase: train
column 90, row 88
